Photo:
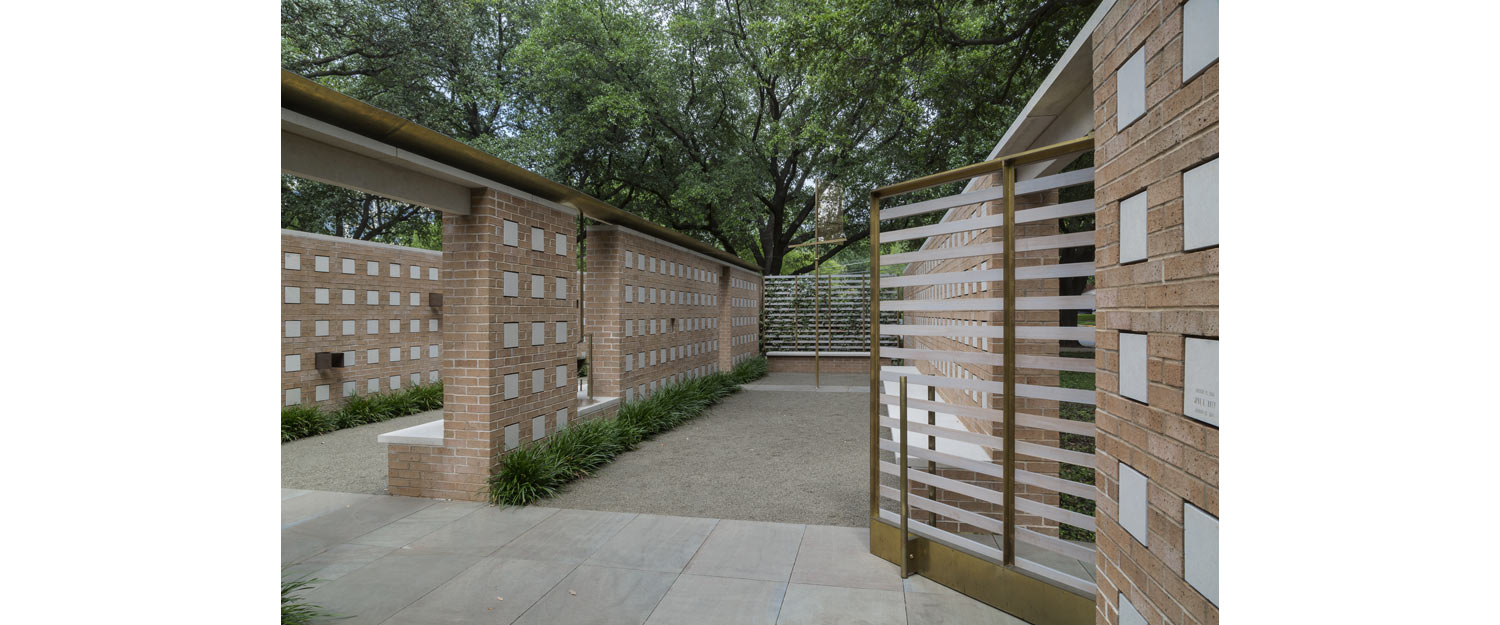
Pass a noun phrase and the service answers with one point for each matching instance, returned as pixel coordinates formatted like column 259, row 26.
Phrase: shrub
column 297, row 611
column 540, row 469
column 304, row 421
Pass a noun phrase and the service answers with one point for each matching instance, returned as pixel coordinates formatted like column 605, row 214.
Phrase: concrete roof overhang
column 330, row 137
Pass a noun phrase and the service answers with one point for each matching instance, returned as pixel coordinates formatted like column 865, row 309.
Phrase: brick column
column 603, row 309
column 1157, row 266
column 726, row 319
column 504, row 266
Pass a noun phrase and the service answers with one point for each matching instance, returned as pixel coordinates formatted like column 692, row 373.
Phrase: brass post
column 874, row 357
column 1009, row 538
column 931, row 445
column 906, row 555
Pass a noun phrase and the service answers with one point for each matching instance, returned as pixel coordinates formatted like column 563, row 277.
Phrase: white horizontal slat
column 1051, row 302
column 1023, row 361
column 942, row 203
column 1056, row 545
column 947, row 227
column 944, row 253
column 1054, row 424
column 958, row 514
column 983, row 440
column 1058, row 484
column 1056, row 211
column 1023, row 187
column 1024, row 448
column 1030, row 244
column 1065, row 270
column 981, row 493
column 1083, row 333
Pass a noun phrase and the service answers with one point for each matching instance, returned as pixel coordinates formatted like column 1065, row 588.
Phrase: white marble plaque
column 320, row 264
column 1200, row 36
column 293, row 261
column 349, row 389
column 1133, row 228
column 320, row 296
column 562, row 375
column 512, row 436
column 293, row 295
column 1200, row 206
column 1133, row 503
column 512, row 283
column 538, row 243
column 538, row 427
column 510, row 233
column 562, row 415
column 538, row 332
column 538, row 286
column 1200, row 393
column 1130, row 90
column 512, row 385
column 346, row 265
column 293, row 329
column 1128, row 614
column 1133, row 366
column 320, row 392
column 373, row 385
column 1200, row 551
column 293, row 396
column 538, row 380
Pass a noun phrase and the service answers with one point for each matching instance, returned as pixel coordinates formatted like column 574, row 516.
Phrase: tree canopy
column 714, row 117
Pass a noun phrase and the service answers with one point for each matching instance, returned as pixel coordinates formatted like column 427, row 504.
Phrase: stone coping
column 600, row 403
column 827, row 354
column 429, row 433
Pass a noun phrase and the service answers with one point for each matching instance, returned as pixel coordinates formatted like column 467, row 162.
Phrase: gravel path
column 791, row 457
column 346, row 461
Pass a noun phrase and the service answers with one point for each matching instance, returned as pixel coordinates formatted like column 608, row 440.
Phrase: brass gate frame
column 1003, row 586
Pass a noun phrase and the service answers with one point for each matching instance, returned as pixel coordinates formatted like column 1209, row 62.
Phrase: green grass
column 540, row 469
column 297, row 611
column 1074, row 442
column 1085, row 319
column 304, row 421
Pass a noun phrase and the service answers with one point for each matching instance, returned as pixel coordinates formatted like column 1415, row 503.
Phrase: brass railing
column 1018, row 590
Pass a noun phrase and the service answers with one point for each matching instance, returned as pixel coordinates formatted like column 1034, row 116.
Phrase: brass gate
column 971, row 504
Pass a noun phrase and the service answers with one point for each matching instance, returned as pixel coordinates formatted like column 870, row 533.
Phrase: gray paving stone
column 359, row 517
column 495, row 590
column 567, row 536
column 376, row 591
column 840, row 556
column 296, row 546
column 702, row 600
column 335, row 562
column 314, row 503
column 597, row 595
column 954, row 609
column 418, row 524
column 748, row 550
column 808, row 604
column 481, row 532
column 919, row 584
column 654, row 543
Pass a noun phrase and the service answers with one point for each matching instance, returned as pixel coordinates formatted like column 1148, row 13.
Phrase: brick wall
column 1156, row 126
column 370, row 302
column 510, row 343
column 740, row 327
column 658, row 313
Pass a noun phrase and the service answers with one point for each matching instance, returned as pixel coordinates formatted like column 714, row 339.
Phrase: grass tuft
column 304, row 421
column 540, row 469
column 298, row 611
